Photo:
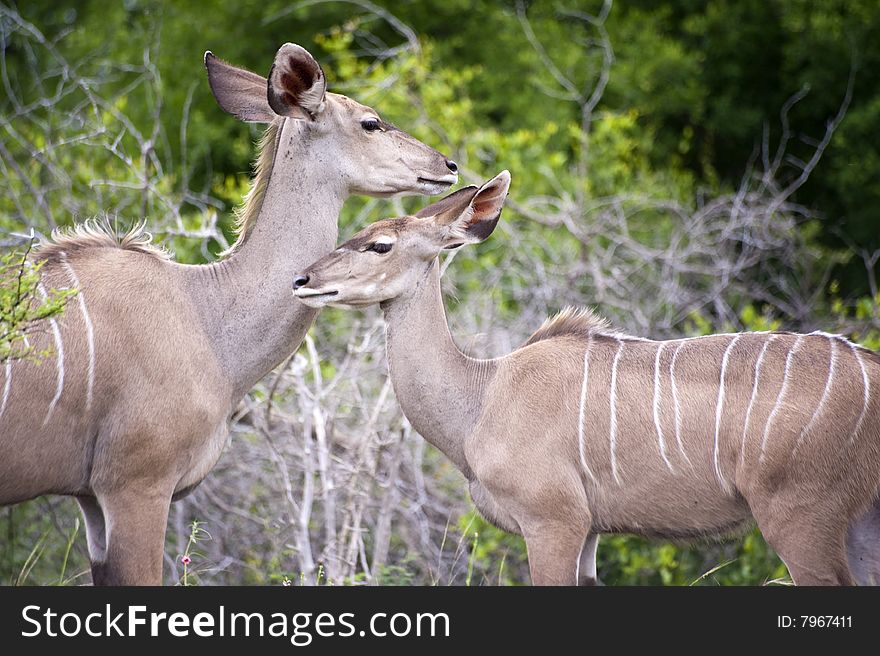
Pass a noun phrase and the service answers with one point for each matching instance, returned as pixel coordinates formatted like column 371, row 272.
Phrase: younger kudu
column 152, row 356
column 584, row 430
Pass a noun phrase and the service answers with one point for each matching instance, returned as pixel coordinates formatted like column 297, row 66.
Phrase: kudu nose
column 452, row 166
column 300, row 281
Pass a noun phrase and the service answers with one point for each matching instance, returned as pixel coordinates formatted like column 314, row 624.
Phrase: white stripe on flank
column 675, row 403
column 779, row 397
column 7, row 384
column 90, row 331
column 832, row 365
column 59, row 358
column 660, row 440
column 719, row 407
column 582, row 410
column 758, row 364
column 866, row 391
column 612, row 433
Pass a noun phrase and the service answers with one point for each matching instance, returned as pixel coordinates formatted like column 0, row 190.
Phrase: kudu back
column 130, row 408
column 585, row 430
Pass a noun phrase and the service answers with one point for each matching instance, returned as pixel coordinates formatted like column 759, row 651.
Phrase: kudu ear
column 450, row 206
column 239, row 92
column 296, row 83
column 473, row 218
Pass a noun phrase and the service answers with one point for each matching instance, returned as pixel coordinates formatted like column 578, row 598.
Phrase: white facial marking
column 675, row 402
column 582, row 409
column 758, row 364
column 59, row 359
column 781, row 396
column 661, row 442
column 612, row 433
column 90, row 331
column 719, row 407
column 866, row 391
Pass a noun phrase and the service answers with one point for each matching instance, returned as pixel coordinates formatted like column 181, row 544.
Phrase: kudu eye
column 371, row 124
column 380, row 247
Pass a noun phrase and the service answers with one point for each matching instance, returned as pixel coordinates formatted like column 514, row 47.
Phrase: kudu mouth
column 309, row 295
column 438, row 185
column 315, row 298
column 433, row 181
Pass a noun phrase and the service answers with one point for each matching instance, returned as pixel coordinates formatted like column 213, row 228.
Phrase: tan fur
column 805, row 503
column 129, row 409
column 584, row 430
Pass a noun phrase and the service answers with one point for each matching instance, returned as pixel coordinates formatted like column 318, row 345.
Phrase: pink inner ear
column 298, row 78
column 296, row 87
column 483, row 206
column 487, row 204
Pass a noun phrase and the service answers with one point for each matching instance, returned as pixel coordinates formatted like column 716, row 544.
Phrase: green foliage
column 690, row 90
column 22, row 309
column 189, row 559
column 494, row 556
column 42, row 543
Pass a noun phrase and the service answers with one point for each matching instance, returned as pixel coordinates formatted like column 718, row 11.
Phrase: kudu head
column 372, row 156
column 386, row 260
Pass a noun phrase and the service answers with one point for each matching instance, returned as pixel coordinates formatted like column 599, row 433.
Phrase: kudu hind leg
column 135, row 530
column 863, row 547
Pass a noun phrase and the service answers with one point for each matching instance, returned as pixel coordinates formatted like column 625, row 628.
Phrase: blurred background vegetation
column 687, row 166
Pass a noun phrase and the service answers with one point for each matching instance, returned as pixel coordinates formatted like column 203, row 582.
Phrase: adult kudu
column 149, row 359
column 584, row 430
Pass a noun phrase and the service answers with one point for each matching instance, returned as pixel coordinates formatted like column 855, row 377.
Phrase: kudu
column 584, row 430
column 151, row 356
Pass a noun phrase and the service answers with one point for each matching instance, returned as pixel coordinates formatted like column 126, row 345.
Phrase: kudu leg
column 135, row 531
column 95, row 528
column 813, row 550
column 863, row 547
column 587, row 564
column 555, row 552
column 817, row 567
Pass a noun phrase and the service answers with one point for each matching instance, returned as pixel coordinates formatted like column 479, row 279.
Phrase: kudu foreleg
column 555, row 550
column 95, row 528
column 812, row 547
column 135, row 523
column 587, row 565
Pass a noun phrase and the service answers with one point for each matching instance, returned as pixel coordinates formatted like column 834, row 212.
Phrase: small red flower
column 186, row 560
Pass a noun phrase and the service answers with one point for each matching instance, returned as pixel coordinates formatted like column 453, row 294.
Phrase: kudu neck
column 249, row 311
column 440, row 389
